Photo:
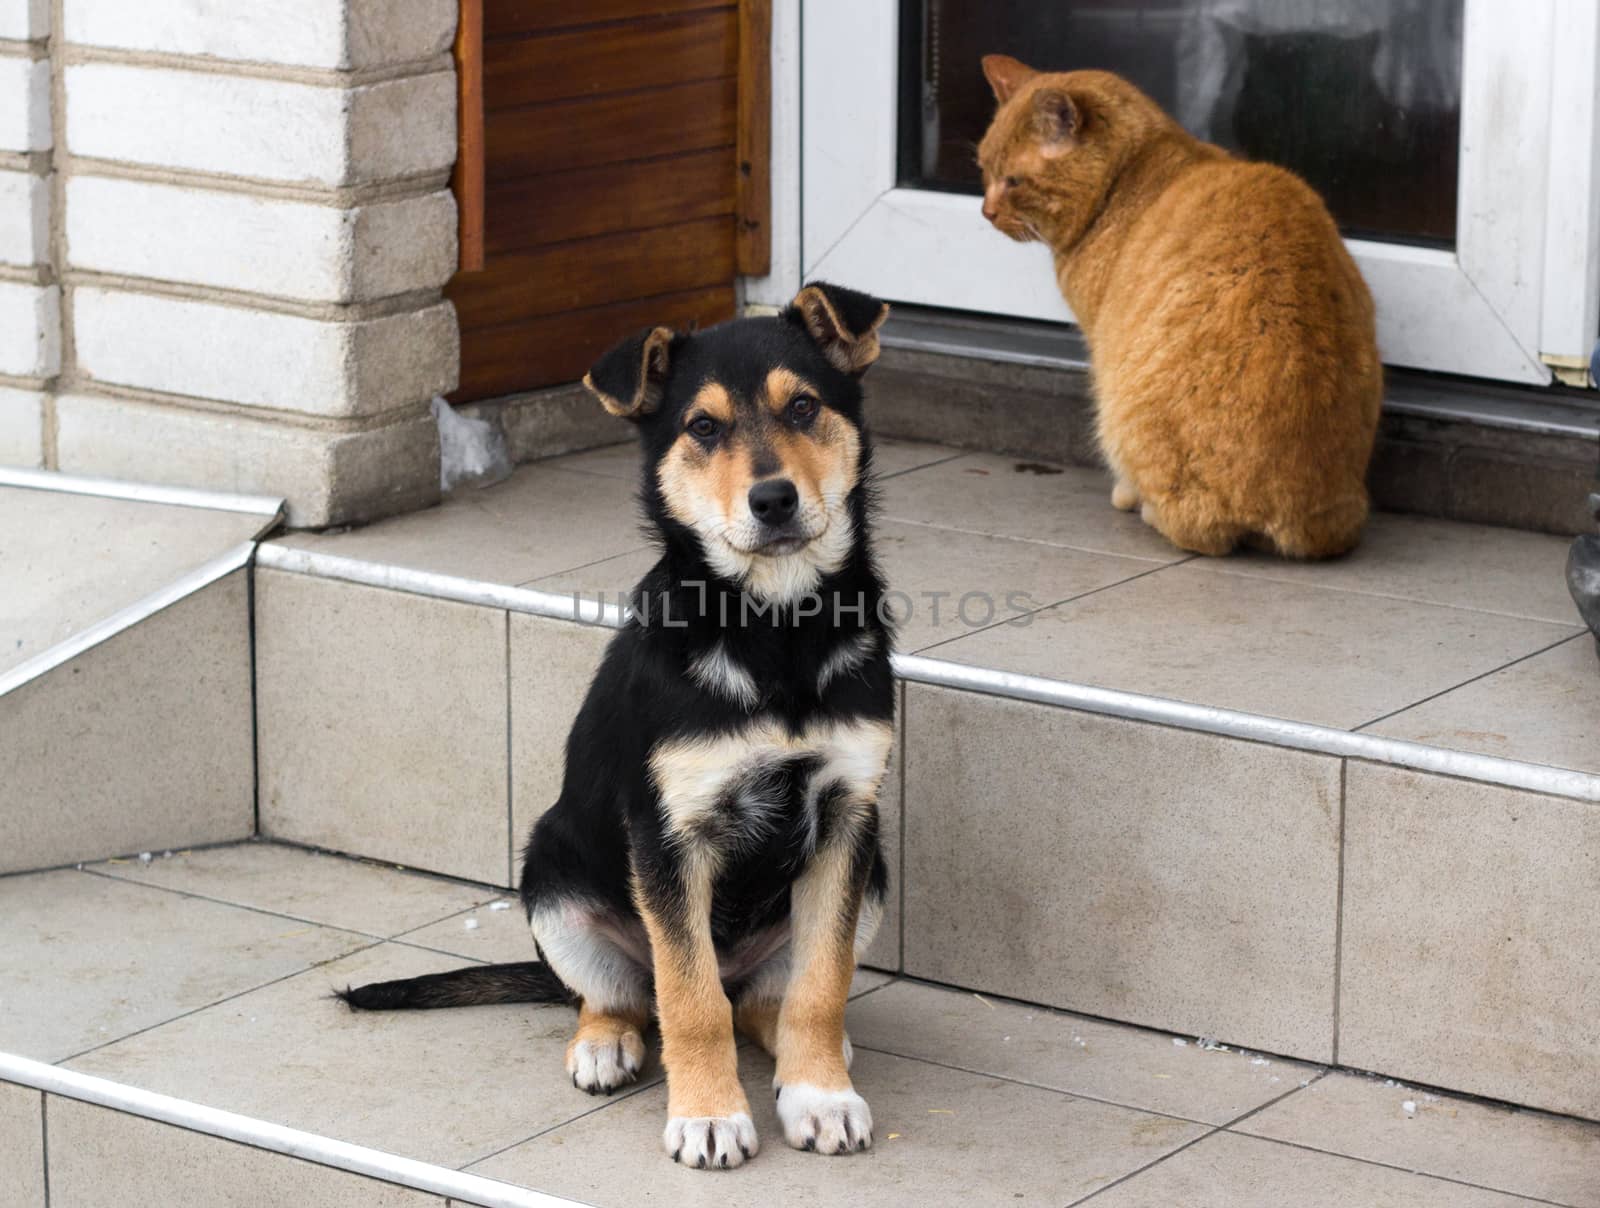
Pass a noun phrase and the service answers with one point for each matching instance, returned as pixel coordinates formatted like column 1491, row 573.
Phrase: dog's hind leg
column 597, row 958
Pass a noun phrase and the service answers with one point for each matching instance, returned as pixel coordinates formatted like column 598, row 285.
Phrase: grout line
column 1338, row 908
column 1221, row 1128
column 1521, row 1196
column 1178, row 560
column 638, row 549
column 255, row 696
column 611, row 1100
column 44, row 1142
column 84, row 865
column 1037, row 1086
column 1571, row 637
column 927, row 465
column 1082, row 595
column 219, row 1002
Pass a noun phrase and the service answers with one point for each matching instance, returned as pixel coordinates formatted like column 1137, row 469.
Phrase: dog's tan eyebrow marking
column 714, row 400
column 781, row 387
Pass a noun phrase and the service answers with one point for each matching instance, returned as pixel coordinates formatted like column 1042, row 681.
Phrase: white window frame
column 1521, row 287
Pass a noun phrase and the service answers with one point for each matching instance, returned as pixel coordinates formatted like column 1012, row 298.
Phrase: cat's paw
column 1124, row 496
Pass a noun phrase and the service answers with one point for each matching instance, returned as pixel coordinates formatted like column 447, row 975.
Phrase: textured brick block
column 265, row 359
column 30, row 329
column 355, row 33
column 24, row 218
column 318, row 253
column 24, row 104
column 327, row 477
column 272, row 129
column 21, row 428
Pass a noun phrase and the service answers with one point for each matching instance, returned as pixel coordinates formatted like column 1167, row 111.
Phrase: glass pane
column 1360, row 97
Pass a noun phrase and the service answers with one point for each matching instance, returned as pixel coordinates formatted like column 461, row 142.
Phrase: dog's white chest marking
column 713, row 786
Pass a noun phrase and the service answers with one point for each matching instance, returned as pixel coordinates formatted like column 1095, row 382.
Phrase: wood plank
column 467, row 178
column 561, row 348
column 581, row 134
column 753, row 210
column 590, row 272
column 613, row 58
column 616, row 197
column 517, row 18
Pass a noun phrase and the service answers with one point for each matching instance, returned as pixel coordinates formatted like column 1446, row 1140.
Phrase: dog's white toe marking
column 826, row 1121
column 601, row 1066
column 711, row 1142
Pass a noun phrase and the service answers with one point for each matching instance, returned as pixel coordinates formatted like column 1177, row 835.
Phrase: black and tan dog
column 715, row 852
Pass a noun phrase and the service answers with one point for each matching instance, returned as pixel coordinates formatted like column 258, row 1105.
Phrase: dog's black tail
column 477, row 985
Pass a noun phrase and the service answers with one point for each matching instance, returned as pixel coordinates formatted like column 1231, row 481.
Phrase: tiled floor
column 206, row 974
column 1456, row 635
column 68, row 561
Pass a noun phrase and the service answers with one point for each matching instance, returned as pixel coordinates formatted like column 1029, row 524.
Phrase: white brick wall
column 24, row 104
column 21, row 423
column 271, row 129
column 24, row 20
column 326, row 478
column 265, row 359
column 304, row 33
column 290, row 249
column 30, row 329
column 24, row 218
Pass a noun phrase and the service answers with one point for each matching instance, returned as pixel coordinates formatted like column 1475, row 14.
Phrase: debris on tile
column 1005, row 1039
column 166, row 855
column 893, row 1137
column 940, row 1111
column 1259, row 1061
column 983, row 1000
column 1180, row 1042
column 1208, row 1045
column 145, row 857
column 471, row 924
column 502, row 904
column 1409, row 1107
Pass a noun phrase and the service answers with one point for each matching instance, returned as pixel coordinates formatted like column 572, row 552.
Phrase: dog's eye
column 704, row 427
column 804, row 406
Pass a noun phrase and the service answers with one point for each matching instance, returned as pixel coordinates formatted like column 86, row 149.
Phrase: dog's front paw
column 825, row 1121
column 600, row 1066
column 711, row 1142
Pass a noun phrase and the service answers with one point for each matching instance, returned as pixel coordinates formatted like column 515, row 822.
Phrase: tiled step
column 168, row 1037
column 125, row 696
column 1280, row 804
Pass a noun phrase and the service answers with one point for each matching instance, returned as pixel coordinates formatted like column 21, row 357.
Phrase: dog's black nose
column 774, row 501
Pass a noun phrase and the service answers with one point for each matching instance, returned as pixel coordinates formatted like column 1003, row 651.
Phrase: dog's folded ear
column 843, row 322
column 629, row 379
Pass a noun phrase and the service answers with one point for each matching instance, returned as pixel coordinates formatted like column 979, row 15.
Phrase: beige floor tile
column 142, row 741
column 552, row 666
column 442, row 1086
column 620, row 460
column 891, row 457
column 1524, row 1153
column 1178, row 880
column 1438, row 562
column 1280, row 649
column 949, row 584
column 942, row 1137
column 495, row 936
column 869, row 981
column 1130, row 1066
column 1466, row 953
column 87, row 959
column 1228, row 1171
column 334, row 891
column 382, row 724
column 73, row 560
column 986, row 493
column 536, row 522
column 101, row 1158
column 21, row 1147
column 609, row 580
column 1545, row 709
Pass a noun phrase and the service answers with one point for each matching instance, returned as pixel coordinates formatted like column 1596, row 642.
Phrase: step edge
column 275, row 1138
column 143, row 492
column 989, row 681
column 125, row 618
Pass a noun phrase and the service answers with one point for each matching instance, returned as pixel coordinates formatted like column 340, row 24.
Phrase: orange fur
column 1232, row 337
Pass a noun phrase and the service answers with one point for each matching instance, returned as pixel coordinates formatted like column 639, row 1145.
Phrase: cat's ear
column 1057, row 118
column 843, row 322
column 629, row 379
column 1006, row 75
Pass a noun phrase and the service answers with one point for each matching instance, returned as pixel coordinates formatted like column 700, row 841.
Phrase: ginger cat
column 1231, row 336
